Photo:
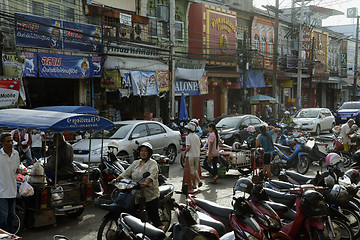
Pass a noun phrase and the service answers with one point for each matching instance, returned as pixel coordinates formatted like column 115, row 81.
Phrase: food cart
column 73, row 193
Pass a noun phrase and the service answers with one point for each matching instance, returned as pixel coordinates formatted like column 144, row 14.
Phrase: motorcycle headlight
column 228, row 135
column 262, row 221
column 355, row 114
column 251, row 237
column 273, row 222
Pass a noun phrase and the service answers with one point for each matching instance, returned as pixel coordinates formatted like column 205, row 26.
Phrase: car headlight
column 228, row 135
column 97, row 151
column 312, row 123
column 355, row 114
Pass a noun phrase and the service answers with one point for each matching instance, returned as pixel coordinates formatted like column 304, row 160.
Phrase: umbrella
column 183, row 115
column 261, row 99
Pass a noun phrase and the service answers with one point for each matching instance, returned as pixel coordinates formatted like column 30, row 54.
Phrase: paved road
column 86, row 226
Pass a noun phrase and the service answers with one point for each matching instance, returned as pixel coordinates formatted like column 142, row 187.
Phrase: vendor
column 65, row 158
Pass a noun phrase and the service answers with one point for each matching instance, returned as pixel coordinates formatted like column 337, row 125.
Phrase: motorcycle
column 125, row 202
column 288, row 158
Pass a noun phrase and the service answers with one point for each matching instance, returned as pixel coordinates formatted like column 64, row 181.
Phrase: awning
column 112, row 62
column 254, row 79
column 189, row 74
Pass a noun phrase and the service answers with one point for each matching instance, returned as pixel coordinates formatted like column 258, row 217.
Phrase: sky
column 340, row 5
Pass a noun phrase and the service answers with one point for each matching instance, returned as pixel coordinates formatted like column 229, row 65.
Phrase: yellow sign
column 287, row 84
column 291, row 100
column 225, row 21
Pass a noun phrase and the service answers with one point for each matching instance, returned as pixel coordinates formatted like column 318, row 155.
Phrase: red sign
column 307, row 42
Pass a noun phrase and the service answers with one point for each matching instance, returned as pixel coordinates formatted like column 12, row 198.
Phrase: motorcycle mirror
column 144, row 216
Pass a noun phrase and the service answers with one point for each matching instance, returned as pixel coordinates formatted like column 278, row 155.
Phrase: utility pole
column 245, row 68
column 311, row 71
column 356, row 57
column 172, row 57
column 299, row 72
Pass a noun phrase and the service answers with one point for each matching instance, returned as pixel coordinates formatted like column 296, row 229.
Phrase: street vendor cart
column 64, row 196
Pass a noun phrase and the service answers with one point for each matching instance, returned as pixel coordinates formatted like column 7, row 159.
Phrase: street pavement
column 85, row 227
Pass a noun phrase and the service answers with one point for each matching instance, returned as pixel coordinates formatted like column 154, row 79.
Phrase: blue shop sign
column 31, row 64
column 186, row 87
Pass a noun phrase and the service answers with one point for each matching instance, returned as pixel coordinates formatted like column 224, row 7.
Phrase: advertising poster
column 163, row 80
column 81, row 37
column 63, row 66
column 111, row 79
column 149, row 84
column 126, row 88
column 31, row 65
column 96, row 64
column 136, row 82
column 35, row 31
column 9, row 92
column 203, row 85
column 13, row 65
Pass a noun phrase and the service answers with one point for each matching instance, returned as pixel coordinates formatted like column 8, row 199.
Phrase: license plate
column 343, row 118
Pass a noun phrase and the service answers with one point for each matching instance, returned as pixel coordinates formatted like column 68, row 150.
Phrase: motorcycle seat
column 283, row 148
column 301, row 179
column 138, row 227
column 165, row 190
column 278, row 197
column 214, row 208
column 281, row 184
column 211, row 222
column 277, row 206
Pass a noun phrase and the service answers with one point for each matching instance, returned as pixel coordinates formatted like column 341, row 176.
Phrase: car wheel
column 318, row 130
column 171, row 153
column 332, row 126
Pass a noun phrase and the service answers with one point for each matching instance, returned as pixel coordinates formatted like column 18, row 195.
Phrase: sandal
column 215, row 179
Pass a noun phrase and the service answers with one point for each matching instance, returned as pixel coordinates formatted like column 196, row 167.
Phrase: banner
column 31, row 64
column 13, row 65
column 126, row 87
column 9, row 92
column 96, row 65
column 111, row 79
column 35, row 31
column 186, row 87
column 163, row 80
column 144, row 83
column 203, row 85
column 63, row 66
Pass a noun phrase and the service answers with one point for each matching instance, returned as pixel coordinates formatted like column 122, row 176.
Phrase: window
column 155, row 129
column 255, row 121
column 69, row 14
column 139, row 131
column 263, row 44
column 246, row 122
column 152, row 27
column 38, row 8
column 270, row 46
column 69, row 1
column 179, row 31
column 165, row 30
column 256, row 42
column 54, row 11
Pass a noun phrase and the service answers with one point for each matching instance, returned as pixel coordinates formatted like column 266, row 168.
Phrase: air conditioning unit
column 162, row 13
column 139, row 32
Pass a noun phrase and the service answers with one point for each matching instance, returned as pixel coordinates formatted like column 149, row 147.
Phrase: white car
column 129, row 134
column 315, row 120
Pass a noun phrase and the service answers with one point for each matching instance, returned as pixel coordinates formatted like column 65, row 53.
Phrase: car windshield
column 307, row 113
column 118, row 132
column 227, row 123
column 351, row 105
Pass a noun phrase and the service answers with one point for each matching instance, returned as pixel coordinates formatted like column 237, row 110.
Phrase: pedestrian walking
column 192, row 154
column 212, row 154
column 265, row 140
column 9, row 162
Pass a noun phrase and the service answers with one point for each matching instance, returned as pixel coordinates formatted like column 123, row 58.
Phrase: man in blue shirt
column 265, row 140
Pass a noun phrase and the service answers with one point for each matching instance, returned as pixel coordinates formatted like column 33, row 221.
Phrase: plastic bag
column 26, row 190
column 37, row 174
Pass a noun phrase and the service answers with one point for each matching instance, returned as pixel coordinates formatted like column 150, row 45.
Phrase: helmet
column 336, row 130
column 251, row 129
column 329, row 181
column 195, row 121
column 294, row 108
column 354, row 175
column 113, row 147
column 339, row 195
column 354, row 127
column 313, row 204
column 191, row 126
column 236, row 146
column 332, row 159
column 244, row 185
column 148, row 145
column 287, row 113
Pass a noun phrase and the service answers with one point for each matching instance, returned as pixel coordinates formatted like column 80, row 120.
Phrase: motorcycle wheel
column 275, row 169
column 317, row 234
column 347, row 158
column 303, row 164
column 19, row 222
column 245, row 170
column 182, row 161
column 354, row 219
column 342, row 230
column 108, row 230
column 165, row 217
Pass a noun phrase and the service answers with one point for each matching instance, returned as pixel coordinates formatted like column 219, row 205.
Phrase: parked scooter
column 125, row 202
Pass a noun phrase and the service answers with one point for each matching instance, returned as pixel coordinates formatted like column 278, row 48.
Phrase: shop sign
column 307, row 42
column 163, row 80
column 287, row 84
column 68, row 66
column 96, row 64
column 186, row 87
column 35, row 31
column 9, row 92
column 13, row 65
column 125, row 19
column 344, row 54
column 131, row 51
column 203, row 85
column 144, row 83
column 111, row 79
column 31, row 64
